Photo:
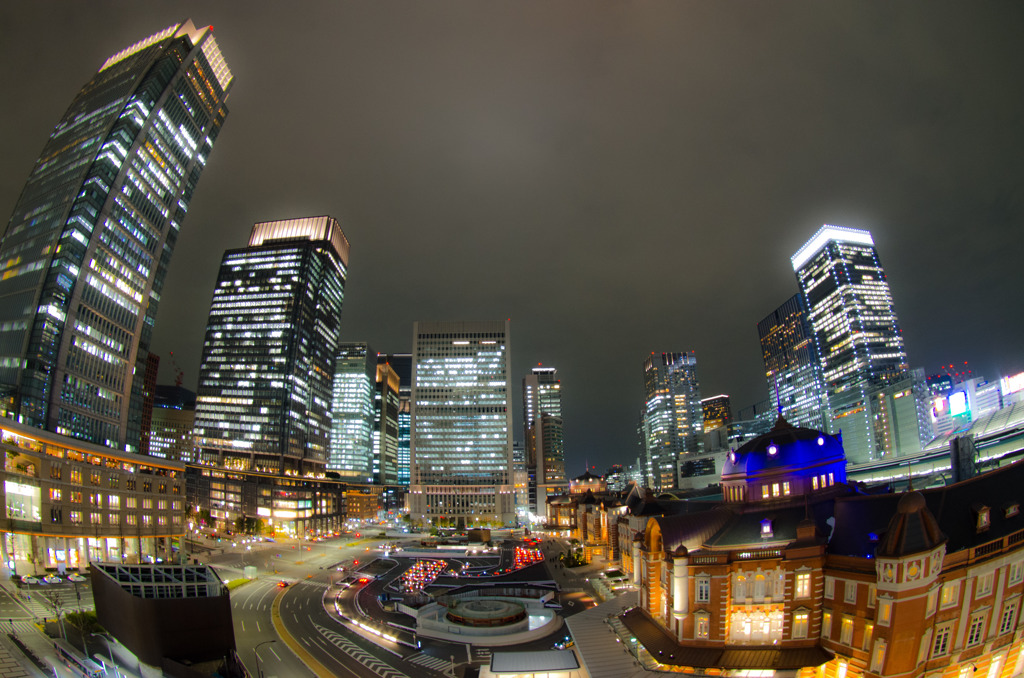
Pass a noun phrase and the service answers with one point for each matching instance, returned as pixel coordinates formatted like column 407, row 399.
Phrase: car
column 28, row 579
column 77, row 578
column 282, row 584
column 52, row 579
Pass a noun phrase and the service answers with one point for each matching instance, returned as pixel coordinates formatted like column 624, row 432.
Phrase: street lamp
column 256, row 651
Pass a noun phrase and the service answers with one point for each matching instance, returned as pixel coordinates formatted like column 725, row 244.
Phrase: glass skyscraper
column 545, row 452
column 401, row 363
column 85, row 253
column 856, row 334
column 791, row 365
column 673, row 417
column 270, row 351
column 352, row 413
column 461, row 452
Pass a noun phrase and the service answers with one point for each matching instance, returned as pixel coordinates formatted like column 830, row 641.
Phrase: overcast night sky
column 616, row 177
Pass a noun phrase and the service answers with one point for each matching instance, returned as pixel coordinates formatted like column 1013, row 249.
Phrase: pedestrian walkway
column 431, row 662
column 602, row 652
column 11, row 664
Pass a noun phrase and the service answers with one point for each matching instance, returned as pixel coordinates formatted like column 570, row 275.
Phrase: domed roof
column 910, row 502
column 784, row 448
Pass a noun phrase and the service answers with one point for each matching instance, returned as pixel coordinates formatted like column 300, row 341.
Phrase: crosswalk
column 430, row 662
column 359, row 654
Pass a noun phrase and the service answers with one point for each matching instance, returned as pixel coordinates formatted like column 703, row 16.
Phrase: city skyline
column 650, row 173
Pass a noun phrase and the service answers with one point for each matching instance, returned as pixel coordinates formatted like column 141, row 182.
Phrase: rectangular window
column 878, row 656
column 984, row 585
column 764, row 492
column 801, row 622
column 54, row 494
column 850, row 594
column 130, row 502
column 76, row 476
column 1016, row 572
column 826, row 624
column 995, row 667
column 703, row 589
column 113, row 501
column 802, row 587
column 1009, row 617
column 975, row 632
column 147, row 504
column 131, row 519
column 950, row 594
column 703, row 626
column 113, row 518
column 884, row 611
column 114, row 482
column 869, row 630
column 872, row 595
column 846, row 631
column 933, row 598
column 830, row 587
column 785, row 488
column 940, row 644
column 814, row 483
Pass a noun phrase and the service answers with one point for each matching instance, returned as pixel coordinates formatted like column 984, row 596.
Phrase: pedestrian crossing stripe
column 430, row 662
column 359, row 654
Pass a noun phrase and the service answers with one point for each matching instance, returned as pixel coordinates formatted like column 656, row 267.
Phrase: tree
column 52, row 600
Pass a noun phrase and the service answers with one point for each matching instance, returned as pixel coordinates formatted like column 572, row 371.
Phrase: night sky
column 615, row 177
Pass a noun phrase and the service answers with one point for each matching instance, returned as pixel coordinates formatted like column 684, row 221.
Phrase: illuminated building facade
column 857, row 337
column 67, row 502
column 85, row 253
column 352, row 413
column 791, row 365
column 545, row 454
column 717, row 412
column 461, row 452
column 172, row 434
column 401, row 363
column 800, row 574
column 673, row 423
column 270, row 351
column 386, row 404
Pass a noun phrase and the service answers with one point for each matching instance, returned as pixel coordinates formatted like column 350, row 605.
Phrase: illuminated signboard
column 957, row 403
column 1012, row 384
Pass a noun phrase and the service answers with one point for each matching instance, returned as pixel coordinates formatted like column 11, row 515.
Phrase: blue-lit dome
column 785, row 462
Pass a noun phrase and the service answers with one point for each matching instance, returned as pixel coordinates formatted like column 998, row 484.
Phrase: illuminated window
column 801, row 623
column 846, row 631
column 950, row 594
column 703, row 625
column 884, row 611
column 995, row 667
column 814, row 483
column 764, row 492
column 54, row 494
column 802, row 587
column 878, row 656
column 869, row 630
column 933, row 597
column 872, row 595
column 826, row 624
column 785, row 488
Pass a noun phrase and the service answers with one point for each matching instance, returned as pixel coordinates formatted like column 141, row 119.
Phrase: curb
column 304, row 656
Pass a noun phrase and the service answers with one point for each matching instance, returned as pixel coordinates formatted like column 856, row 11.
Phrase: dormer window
column 1012, row 510
column 766, row 529
column 983, row 517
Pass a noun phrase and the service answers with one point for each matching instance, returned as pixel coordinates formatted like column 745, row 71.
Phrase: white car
column 75, row 577
column 52, row 579
column 27, row 579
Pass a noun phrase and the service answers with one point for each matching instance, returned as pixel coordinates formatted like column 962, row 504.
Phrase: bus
column 80, row 665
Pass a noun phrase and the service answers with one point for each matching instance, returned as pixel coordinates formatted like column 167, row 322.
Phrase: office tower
column 385, row 426
column 352, row 410
column 717, row 412
column 856, row 334
column 673, row 417
column 542, row 396
column 270, row 350
column 461, row 452
column 172, row 431
column 85, row 253
column 791, row 365
column 520, row 480
column 401, row 363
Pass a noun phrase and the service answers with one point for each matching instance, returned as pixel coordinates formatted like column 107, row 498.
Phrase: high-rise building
column 856, row 334
column 401, row 363
column 461, row 451
column 791, row 365
column 352, row 410
column 385, row 425
column 673, row 423
column 85, row 253
column 271, row 347
column 545, row 452
column 171, row 433
column 717, row 411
